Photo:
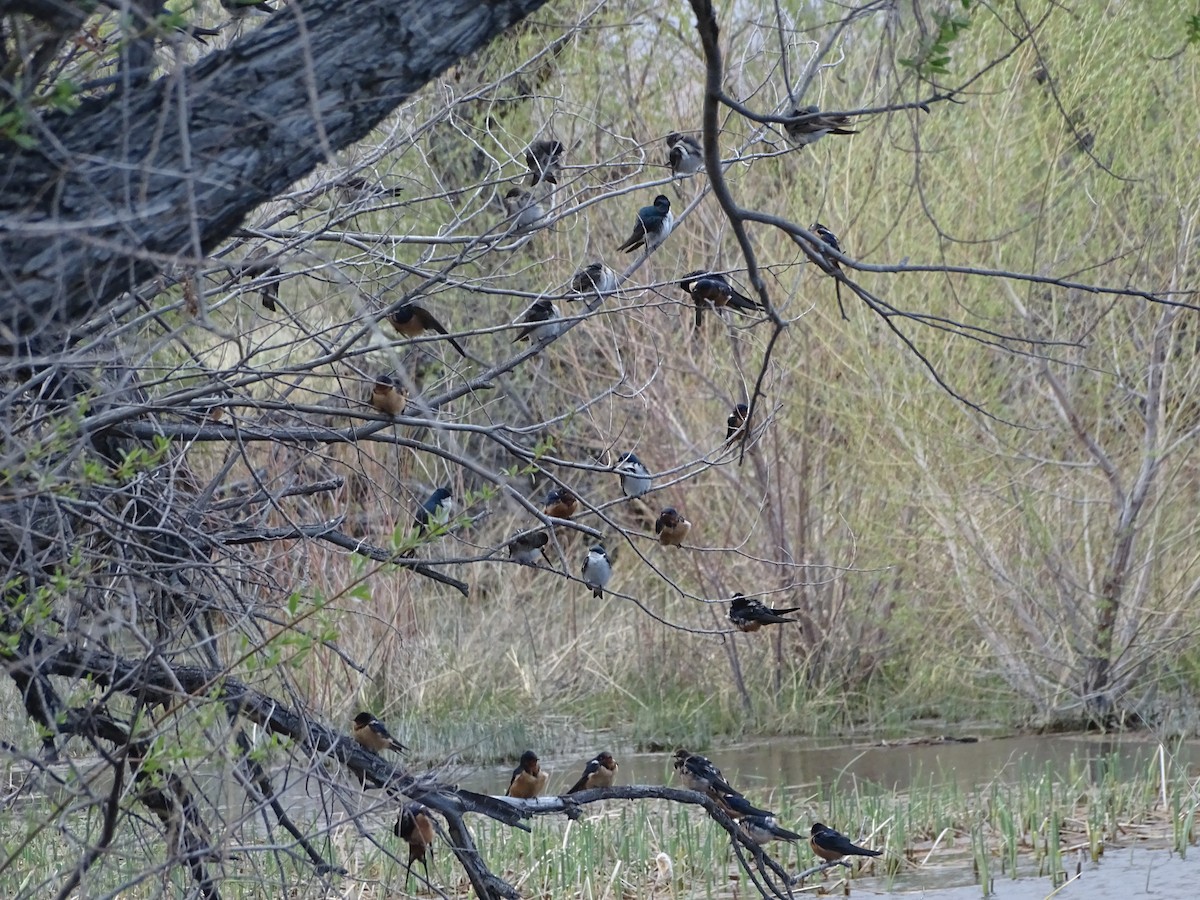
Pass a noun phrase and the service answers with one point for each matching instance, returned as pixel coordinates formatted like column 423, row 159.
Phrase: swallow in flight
column 597, row 570
column 528, row 778
column 653, row 225
column 598, row 773
column 524, row 211
column 699, row 774
column 712, row 290
column 595, row 278
column 813, row 126
column 525, row 547
column 544, row 159
column 436, row 510
column 671, row 527
column 635, row 477
column 736, row 422
column 748, row 614
column 684, row 154
column 411, row 320
column 830, row 845
column 830, row 263
column 415, row 828
column 540, row 321
column 387, row 397
column 561, row 503
column 764, row 829
column 373, row 734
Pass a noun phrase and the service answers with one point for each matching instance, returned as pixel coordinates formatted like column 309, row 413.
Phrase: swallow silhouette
column 830, row 263
column 736, row 422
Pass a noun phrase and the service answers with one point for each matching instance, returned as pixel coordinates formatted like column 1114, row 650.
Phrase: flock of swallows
column 529, row 779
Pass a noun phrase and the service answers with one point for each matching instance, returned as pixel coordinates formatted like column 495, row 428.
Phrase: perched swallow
column 830, row 845
column 699, row 774
column 712, row 290
column 685, row 155
column 415, row 827
column 525, row 547
column 387, row 397
column 736, row 806
column 653, row 225
column 671, row 527
column 597, row 570
column 410, row 320
column 598, row 773
column 736, row 422
column 596, row 278
column 830, row 263
column 764, row 829
column 635, row 477
column 540, row 321
column 750, row 615
column 544, row 159
column 436, row 510
column 261, row 263
column 814, row 126
column 528, row 778
column 561, row 503
column 523, row 210
column 373, row 734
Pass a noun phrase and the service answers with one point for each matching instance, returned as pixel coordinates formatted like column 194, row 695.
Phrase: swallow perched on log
column 811, row 126
column 653, row 225
column 541, row 321
column 598, row 773
column 525, row 213
column 671, row 527
column 561, row 503
column 411, row 320
column 736, row 806
column 436, row 510
column 387, row 397
column 635, row 477
column 525, row 547
column 829, row 263
column 684, row 154
column 415, row 828
column 595, row 278
column 711, row 290
column 764, row 829
column 736, row 422
column 830, row 845
column 748, row 614
column 597, row 570
column 373, row 734
column 699, row 774
column 528, row 778
column 544, row 159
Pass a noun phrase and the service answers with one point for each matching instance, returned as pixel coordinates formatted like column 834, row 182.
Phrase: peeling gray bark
column 120, row 188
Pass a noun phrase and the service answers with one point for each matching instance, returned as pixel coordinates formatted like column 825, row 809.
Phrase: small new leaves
column 933, row 58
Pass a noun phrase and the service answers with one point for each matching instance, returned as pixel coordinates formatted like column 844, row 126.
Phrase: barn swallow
column 415, row 827
column 597, row 570
column 671, row 527
column 830, row 263
column 814, row 126
column 261, row 263
column 736, row 806
column 596, row 278
column 373, row 734
column 653, row 225
column 387, row 397
column 525, row 547
column 685, row 155
column 750, row 615
column 635, row 477
column 736, row 422
column 410, row 320
column 764, row 829
column 540, row 321
column 712, row 290
column 830, row 845
column 528, row 778
column 561, row 503
column 699, row 774
column 524, row 211
column 598, row 773
column 436, row 510
column 544, row 159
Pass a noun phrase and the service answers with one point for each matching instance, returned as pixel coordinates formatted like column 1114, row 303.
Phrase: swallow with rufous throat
column 736, row 422
column 598, row 773
column 373, row 734
column 415, row 828
column 748, row 614
column 528, row 778
column 712, row 290
column 387, row 397
column 831, row 845
column 412, row 320
column 736, row 806
column 671, row 527
column 561, row 503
